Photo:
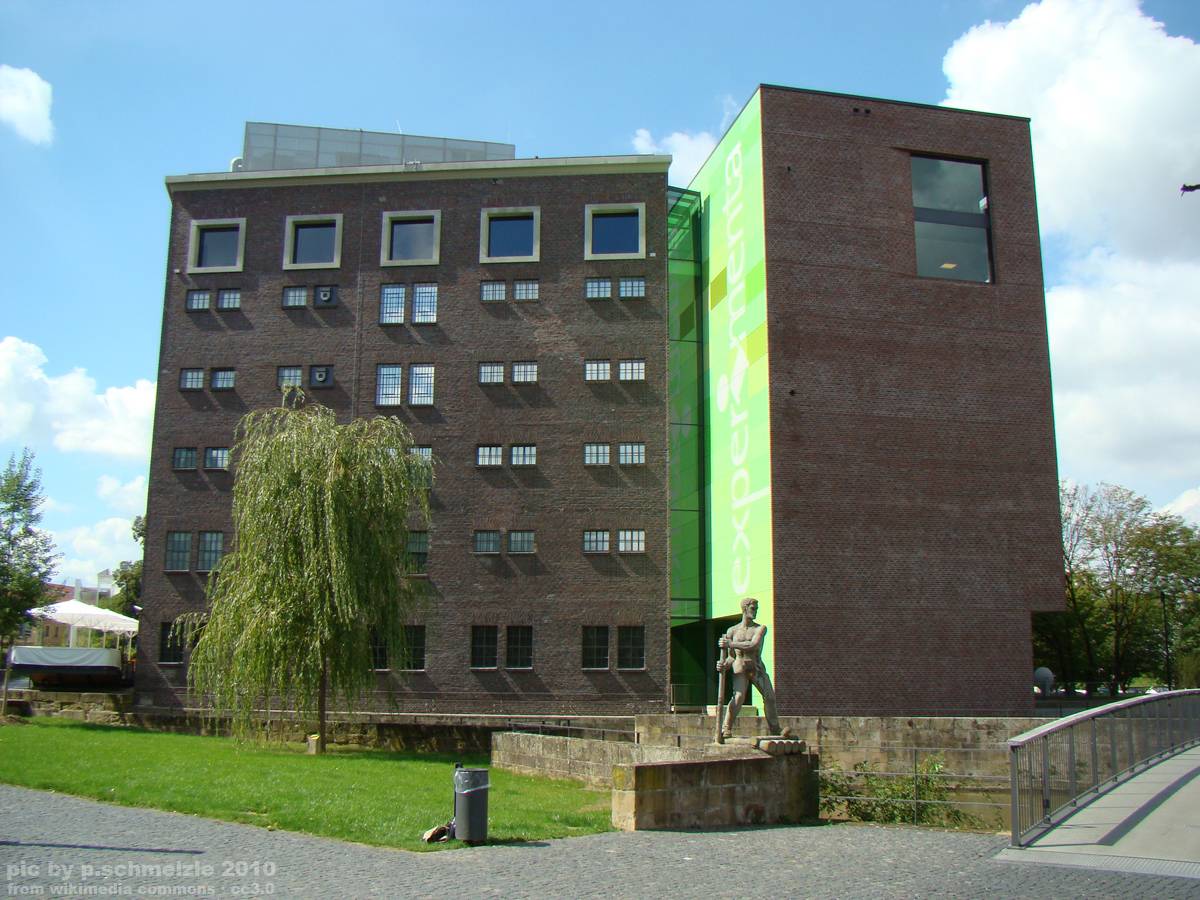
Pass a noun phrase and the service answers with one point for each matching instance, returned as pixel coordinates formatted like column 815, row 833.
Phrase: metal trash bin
column 471, row 805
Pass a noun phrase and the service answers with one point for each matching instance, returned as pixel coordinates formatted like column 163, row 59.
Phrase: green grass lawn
column 371, row 796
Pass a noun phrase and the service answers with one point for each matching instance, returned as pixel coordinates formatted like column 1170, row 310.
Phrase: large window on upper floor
column 510, row 234
column 614, row 231
column 950, row 219
column 216, row 245
column 313, row 242
column 411, row 238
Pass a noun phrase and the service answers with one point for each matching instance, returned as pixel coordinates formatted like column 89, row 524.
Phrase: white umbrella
column 78, row 614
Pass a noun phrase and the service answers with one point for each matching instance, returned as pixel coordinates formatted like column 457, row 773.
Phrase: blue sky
column 99, row 101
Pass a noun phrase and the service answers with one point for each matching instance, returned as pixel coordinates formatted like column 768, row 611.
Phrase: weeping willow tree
column 316, row 580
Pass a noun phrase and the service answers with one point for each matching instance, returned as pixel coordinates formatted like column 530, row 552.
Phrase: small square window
column 489, row 455
column 614, row 231
column 524, row 455
column 391, row 304
column 487, row 542
column 631, row 647
column 411, row 238
column 524, row 372
column 525, row 289
column 595, row 454
column 313, row 242
column 179, row 551
column 417, row 552
column 518, row 647
column 632, row 370
column 510, row 234
column 425, row 297
column 389, row 385
column 596, row 370
column 631, row 541
column 595, row 542
column 289, row 376
column 212, row 547
column 216, row 245
column 223, row 379
column 191, row 379
column 520, row 542
column 413, row 658
column 491, row 291
column 484, row 646
column 491, row 373
column 216, row 457
column 295, row 297
column 631, row 454
column 198, row 300
column 229, row 298
column 633, row 287
column 183, row 458
column 420, row 385
column 598, row 288
column 595, row 646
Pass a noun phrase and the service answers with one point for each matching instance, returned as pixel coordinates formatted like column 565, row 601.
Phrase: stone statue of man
column 744, row 642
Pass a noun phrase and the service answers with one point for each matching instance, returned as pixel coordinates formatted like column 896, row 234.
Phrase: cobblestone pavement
column 55, row 845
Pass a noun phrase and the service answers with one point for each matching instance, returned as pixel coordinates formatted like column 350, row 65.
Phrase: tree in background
column 317, row 579
column 128, row 577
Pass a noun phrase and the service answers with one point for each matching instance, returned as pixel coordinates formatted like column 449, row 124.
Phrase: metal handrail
column 1054, row 766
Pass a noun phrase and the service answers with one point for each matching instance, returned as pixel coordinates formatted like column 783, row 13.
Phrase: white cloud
column 1186, row 506
column 68, row 409
column 689, row 151
column 25, row 104
column 129, row 498
column 88, row 549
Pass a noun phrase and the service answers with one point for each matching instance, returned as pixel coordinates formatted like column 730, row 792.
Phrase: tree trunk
column 7, row 672
column 321, row 704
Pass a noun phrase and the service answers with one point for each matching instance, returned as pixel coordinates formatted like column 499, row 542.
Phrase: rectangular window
column 198, row 300
column 170, row 646
column 614, row 231
column 595, row 646
column 484, row 646
column 596, row 370
column 631, row 454
column 524, row 455
column 425, row 298
column 379, row 654
column 229, row 298
column 179, row 551
column 391, row 304
column 425, row 454
column 289, row 376
column 389, row 385
column 212, row 546
column 598, row 288
column 951, row 220
column 295, row 297
column 411, row 238
column 223, row 379
column 491, row 373
column 510, row 234
column 489, row 455
column 417, row 553
column 191, row 379
column 521, row 542
column 491, row 291
column 518, row 647
column 524, row 372
column 633, row 287
column 525, row 289
column 631, row 540
column 632, row 370
column 631, row 647
column 420, row 385
column 595, row 542
column 413, row 659
column 595, row 454
column 183, row 458
column 216, row 245
column 313, row 242
column 216, row 457
column 487, row 542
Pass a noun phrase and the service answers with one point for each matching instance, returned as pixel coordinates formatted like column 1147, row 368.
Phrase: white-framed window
column 631, row 454
column 595, row 454
column 489, row 455
column 632, row 288
column 216, row 245
column 425, row 298
column 632, row 370
column 389, row 385
column 486, row 541
column 223, row 379
column 597, row 288
column 289, row 376
column 420, row 385
column 295, row 296
column 212, row 548
column 631, row 540
column 411, row 238
column 614, row 231
column 313, row 242
column 391, row 304
column 525, row 289
column 216, row 457
column 491, row 373
column 197, row 300
column 229, row 298
column 596, row 370
column 521, row 542
column 492, row 291
column 523, row 455
column 510, row 234
column 191, row 379
column 525, row 372
column 595, row 542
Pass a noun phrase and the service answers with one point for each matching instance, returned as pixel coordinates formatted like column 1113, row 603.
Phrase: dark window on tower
column 484, row 643
column 595, row 646
column 518, row 647
column 951, row 221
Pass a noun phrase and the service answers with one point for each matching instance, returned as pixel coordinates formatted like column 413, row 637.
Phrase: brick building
column 820, row 376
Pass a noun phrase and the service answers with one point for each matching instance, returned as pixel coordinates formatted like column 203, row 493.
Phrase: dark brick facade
column 558, row 589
